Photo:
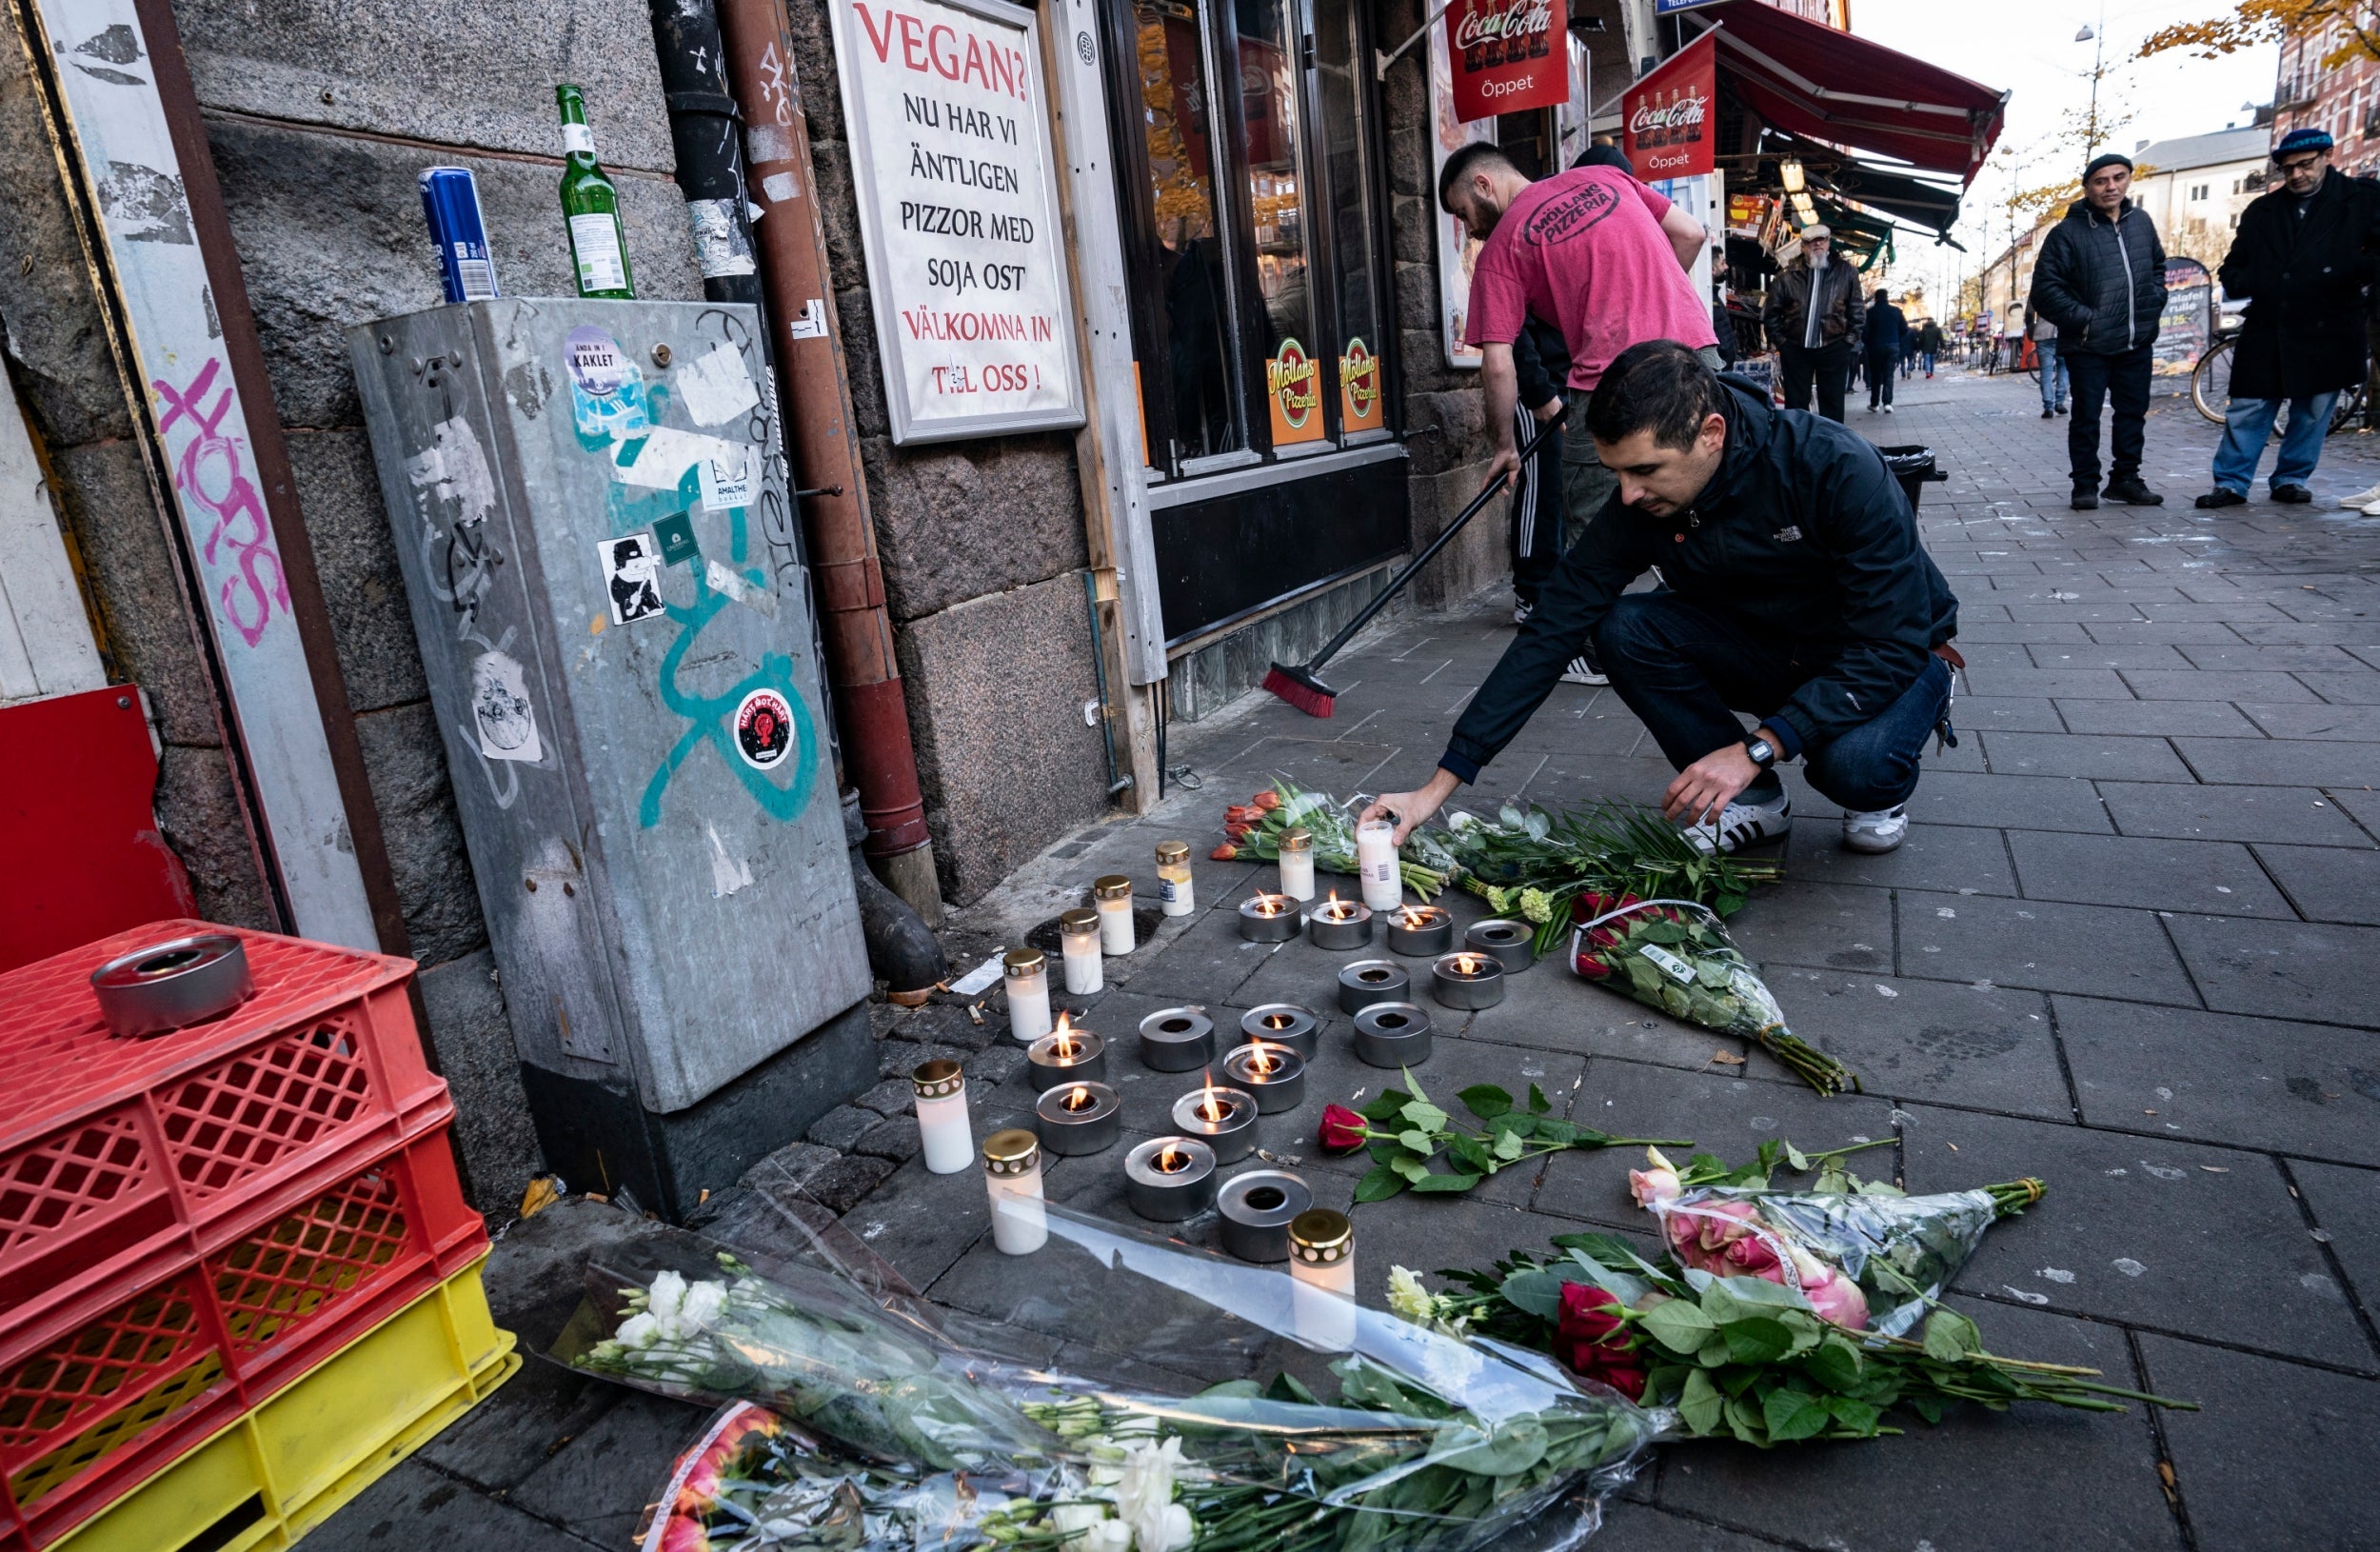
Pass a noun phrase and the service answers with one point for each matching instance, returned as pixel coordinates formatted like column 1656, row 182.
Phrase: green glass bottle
column 591, row 206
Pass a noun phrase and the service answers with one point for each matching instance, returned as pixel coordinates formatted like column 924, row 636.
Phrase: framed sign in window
column 957, row 186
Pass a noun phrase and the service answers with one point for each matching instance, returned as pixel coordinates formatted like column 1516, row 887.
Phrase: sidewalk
column 2125, row 948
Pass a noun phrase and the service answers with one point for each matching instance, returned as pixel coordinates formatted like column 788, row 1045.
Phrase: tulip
column 1267, row 800
column 1224, row 854
column 1342, row 1130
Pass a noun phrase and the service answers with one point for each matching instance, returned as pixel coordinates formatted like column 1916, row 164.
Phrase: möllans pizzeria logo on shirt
column 1295, row 382
column 1570, row 214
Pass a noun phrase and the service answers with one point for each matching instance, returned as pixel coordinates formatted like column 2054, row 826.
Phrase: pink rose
column 1839, row 1303
column 1752, row 1254
column 1724, row 1222
column 1653, row 1186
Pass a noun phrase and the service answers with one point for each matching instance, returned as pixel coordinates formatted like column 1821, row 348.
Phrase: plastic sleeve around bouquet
column 1675, row 955
column 1864, row 1262
column 1137, row 1396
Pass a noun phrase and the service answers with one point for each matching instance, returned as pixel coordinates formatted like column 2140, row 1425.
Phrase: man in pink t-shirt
column 1591, row 250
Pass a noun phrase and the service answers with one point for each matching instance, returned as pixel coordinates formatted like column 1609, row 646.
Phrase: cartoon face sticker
column 631, row 570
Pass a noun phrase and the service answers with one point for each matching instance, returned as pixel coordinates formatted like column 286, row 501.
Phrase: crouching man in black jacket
column 1797, row 592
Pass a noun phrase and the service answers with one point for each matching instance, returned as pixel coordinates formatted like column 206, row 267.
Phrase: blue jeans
column 2247, row 425
column 1928, row 356
column 1685, row 670
column 2053, row 383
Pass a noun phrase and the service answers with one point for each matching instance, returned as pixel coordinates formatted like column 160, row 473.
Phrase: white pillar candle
column 1078, row 935
column 1012, row 1178
column 1026, row 972
column 1376, row 862
column 1322, row 1272
column 942, row 1093
column 1297, row 864
column 1113, row 896
column 1173, row 890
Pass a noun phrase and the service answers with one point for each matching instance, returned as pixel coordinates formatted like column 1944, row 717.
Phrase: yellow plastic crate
column 290, row 1464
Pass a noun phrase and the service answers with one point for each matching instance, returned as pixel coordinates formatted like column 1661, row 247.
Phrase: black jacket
column 1802, row 533
column 1841, row 307
column 2304, row 276
column 1886, row 328
column 2101, row 282
column 1930, row 337
column 1540, row 364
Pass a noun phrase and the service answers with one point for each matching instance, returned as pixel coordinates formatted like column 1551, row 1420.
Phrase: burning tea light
column 1297, row 862
column 1012, row 1176
column 1322, row 1267
column 1268, row 918
column 1393, row 1035
column 1256, row 1207
column 1065, row 1054
column 1467, row 980
column 1112, row 896
column 1223, row 1119
column 1176, row 893
column 1420, row 930
column 1025, row 972
column 1375, row 864
column 1168, row 1178
column 1512, row 944
column 1079, row 936
column 1369, row 981
column 1177, row 1040
column 1079, row 1118
column 1283, row 1023
column 1275, row 1074
column 942, row 1096
column 1338, row 923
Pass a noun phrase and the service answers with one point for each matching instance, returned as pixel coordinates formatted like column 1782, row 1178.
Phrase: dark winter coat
column 2102, row 282
column 2304, row 277
column 1841, row 307
column 1803, row 535
column 1540, row 363
column 1930, row 338
column 1887, row 330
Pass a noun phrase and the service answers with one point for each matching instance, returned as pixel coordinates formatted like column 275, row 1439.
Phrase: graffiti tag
column 213, row 472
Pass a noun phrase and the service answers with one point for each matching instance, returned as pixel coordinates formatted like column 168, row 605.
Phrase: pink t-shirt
column 1585, row 250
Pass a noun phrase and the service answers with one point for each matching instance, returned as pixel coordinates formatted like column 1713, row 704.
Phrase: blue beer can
column 450, row 200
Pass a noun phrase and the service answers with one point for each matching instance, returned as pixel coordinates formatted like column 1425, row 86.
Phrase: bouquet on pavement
column 1675, row 955
column 867, row 1430
column 1255, row 828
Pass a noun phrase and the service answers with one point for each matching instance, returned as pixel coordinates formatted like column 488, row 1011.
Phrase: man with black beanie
column 2101, row 280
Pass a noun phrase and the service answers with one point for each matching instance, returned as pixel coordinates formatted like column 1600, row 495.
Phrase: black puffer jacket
column 2101, row 282
column 1803, row 535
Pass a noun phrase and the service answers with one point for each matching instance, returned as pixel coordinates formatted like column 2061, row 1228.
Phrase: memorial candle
column 1025, row 972
column 1012, row 1176
column 1176, row 894
column 1322, row 1267
column 1297, row 862
column 1079, row 936
column 1375, row 864
column 941, row 1096
column 1113, row 896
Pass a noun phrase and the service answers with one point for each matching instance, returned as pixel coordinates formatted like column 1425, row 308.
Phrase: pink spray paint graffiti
column 213, row 472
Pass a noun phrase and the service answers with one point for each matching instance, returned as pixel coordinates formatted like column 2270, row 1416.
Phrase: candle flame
column 1416, row 917
column 1171, row 1159
column 1065, row 1045
column 1466, row 964
column 1261, row 1062
column 1210, row 1107
column 1278, row 1020
column 1079, row 1098
column 1270, row 904
column 1337, row 909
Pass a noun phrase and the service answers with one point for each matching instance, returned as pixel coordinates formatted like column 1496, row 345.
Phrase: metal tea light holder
column 1393, row 1035
column 1423, row 931
column 1223, row 1119
column 1283, row 1023
column 1268, row 918
column 1078, row 1118
column 1369, row 981
column 1467, row 980
column 1510, row 944
column 1338, row 925
column 1177, row 1040
column 1255, row 1208
column 1275, row 1074
column 1065, row 1055
column 174, row 984
column 1168, row 1178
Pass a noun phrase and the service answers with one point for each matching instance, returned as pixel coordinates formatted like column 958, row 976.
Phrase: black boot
column 2128, row 489
column 2086, row 499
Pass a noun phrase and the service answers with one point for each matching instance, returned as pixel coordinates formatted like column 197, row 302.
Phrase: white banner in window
column 956, row 182
column 1456, row 250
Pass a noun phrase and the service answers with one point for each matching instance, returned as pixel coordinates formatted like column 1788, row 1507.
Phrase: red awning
column 1814, row 81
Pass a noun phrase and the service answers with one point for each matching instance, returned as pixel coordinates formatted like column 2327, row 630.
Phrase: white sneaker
column 2361, row 498
column 1582, row 672
column 1742, row 824
column 1888, row 409
column 1883, row 830
column 1521, row 612
column 2371, row 508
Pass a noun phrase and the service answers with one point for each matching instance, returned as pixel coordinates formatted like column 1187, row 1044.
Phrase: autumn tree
column 2255, row 22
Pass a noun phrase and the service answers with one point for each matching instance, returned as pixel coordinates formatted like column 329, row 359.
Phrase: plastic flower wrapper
column 1256, row 829
column 1134, row 1395
column 1675, row 955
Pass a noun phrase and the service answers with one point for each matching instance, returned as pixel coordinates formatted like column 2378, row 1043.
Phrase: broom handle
column 1380, row 600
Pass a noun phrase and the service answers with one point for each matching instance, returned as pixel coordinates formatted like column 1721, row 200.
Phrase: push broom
column 1299, row 685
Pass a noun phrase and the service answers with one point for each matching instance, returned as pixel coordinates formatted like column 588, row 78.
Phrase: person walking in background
column 1929, row 343
column 2101, row 280
column 1814, row 317
column 1540, row 366
column 1886, row 329
column 2052, row 369
column 1909, row 348
column 2301, row 258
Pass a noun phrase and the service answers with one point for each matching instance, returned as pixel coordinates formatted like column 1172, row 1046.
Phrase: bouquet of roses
column 1673, row 955
column 1404, row 1132
column 1253, row 829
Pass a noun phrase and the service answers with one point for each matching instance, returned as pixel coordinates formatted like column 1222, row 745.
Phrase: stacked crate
column 238, row 1278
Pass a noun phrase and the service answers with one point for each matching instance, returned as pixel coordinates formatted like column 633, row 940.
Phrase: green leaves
column 1951, row 1336
column 1700, row 1403
column 1486, row 1100
column 1679, row 1325
column 1794, row 1414
column 1537, row 1291
column 1379, row 1183
column 1756, row 1340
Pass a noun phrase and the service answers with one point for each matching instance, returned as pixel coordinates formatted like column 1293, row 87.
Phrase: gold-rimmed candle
column 1079, row 941
column 1268, row 918
column 1275, row 1074
column 1322, row 1267
column 1065, row 1054
column 1012, row 1178
column 1338, row 925
column 1297, row 862
column 1176, row 892
column 1026, row 973
column 1420, row 929
column 1223, row 1119
column 942, row 1127
column 1112, row 897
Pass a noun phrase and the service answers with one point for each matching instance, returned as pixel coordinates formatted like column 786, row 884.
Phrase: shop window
column 1246, row 178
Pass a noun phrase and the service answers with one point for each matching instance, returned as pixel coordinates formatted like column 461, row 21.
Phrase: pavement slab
column 2326, row 884
column 2042, row 944
column 2148, row 872
column 2285, row 970
column 1992, row 1047
column 2345, row 1207
column 2293, row 815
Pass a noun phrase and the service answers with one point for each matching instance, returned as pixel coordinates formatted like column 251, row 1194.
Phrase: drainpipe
column 825, row 450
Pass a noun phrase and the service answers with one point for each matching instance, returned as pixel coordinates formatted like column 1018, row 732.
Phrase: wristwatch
column 1763, row 752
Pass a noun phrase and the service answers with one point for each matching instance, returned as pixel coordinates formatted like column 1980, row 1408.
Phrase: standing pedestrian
column 1597, row 253
column 2053, row 381
column 2300, row 259
column 1929, row 343
column 1909, row 348
column 1813, row 318
column 1886, row 329
column 2101, row 280
column 1540, row 367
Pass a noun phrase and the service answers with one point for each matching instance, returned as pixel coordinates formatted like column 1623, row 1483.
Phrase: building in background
column 2194, row 188
column 2342, row 98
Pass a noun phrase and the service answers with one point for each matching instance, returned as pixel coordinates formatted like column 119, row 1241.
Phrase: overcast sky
column 2027, row 48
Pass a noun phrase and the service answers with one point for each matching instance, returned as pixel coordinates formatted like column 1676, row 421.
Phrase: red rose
column 1625, row 1378
column 1592, row 1338
column 1593, row 970
column 1342, row 1130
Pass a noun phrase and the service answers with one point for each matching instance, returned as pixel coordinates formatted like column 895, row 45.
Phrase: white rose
column 638, row 1332
column 1166, row 1528
column 1408, row 1298
column 669, row 1293
column 1071, row 1518
column 1107, row 1536
column 1148, row 1482
column 703, row 1302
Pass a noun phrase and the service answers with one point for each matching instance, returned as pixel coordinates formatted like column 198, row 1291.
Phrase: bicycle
column 2211, row 386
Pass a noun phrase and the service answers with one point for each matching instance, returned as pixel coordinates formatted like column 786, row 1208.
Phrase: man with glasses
column 2101, row 279
column 2300, row 259
column 1813, row 314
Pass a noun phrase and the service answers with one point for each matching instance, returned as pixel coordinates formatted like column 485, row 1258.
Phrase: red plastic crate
column 119, row 1156
column 92, row 1408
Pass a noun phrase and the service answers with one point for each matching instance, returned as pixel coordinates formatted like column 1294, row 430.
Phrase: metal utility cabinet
column 590, row 508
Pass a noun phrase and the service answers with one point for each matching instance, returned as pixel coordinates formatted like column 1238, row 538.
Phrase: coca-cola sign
column 1668, row 117
column 1507, row 55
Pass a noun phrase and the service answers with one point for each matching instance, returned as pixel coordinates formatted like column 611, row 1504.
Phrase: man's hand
column 1705, row 788
column 1410, row 809
column 1550, row 408
column 1504, row 466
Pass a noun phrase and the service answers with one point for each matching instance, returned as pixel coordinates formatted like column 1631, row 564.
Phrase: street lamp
column 1790, row 173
